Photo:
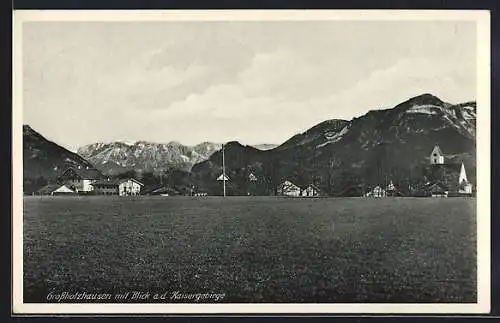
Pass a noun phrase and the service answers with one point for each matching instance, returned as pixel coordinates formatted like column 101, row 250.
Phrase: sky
column 255, row 82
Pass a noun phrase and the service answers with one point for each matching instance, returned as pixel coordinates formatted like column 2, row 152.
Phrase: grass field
column 253, row 249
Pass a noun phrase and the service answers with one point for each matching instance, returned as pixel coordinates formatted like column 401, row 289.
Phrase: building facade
column 80, row 179
column 287, row 188
column 129, row 187
column 310, row 191
column 377, row 191
column 105, row 187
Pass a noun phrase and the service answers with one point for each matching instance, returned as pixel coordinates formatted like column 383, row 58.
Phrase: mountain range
column 336, row 155
column 142, row 156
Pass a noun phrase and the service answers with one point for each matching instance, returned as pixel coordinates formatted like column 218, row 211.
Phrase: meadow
column 253, row 249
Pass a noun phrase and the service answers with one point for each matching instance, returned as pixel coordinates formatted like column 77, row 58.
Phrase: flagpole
column 223, row 171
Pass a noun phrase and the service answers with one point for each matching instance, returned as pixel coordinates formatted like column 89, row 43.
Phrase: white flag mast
column 223, row 176
column 223, row 171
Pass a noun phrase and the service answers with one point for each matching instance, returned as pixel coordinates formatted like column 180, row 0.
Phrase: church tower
column 437, row 157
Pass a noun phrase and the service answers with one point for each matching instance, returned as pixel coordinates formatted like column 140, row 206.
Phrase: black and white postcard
column 251, row 161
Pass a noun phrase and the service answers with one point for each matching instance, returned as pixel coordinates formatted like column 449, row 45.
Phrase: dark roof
column 84, row 173
column 436, row 187
column 105, row 182
column 313, row 186
column 121, row 180
column 114, row 181
column 163, row 190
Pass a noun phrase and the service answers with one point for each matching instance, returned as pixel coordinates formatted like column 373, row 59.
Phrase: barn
column 55, row 189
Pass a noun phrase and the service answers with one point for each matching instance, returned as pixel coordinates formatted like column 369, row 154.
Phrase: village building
column 287, row 188
column 392, row 190
column 80, row 179
column 121, row 187
column 55, row 189
column 377, row 191
column 163, row 191
column 436, row 157
column 252, row 177
column 437, row 190
column 129, row 187
column 310, row 191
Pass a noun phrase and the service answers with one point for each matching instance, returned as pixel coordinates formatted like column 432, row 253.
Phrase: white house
column 80, row 178
column 129, row 186
column 377, row 191
column 310, row 191
column 437, row 157
column 288, row 188
column 252, row 177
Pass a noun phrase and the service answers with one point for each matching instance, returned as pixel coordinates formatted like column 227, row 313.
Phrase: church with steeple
column 444, row 174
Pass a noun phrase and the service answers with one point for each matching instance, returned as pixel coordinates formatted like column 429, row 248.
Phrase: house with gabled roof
column 288, row 188
column 129, row 187
column 80, row 178
column 377, row 191
column 310, row 191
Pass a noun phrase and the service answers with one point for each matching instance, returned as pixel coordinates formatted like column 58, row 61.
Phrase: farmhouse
column 310, row 191
column 129, row 187
column 122, row 187
column 80, row 179
column 55, row 189
column 436, row 157
column 377, row 191
column 288, row 188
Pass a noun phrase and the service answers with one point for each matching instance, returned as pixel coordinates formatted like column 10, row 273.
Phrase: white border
column 481, row 17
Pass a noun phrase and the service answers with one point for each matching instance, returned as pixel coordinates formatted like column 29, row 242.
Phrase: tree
column 349, row 183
